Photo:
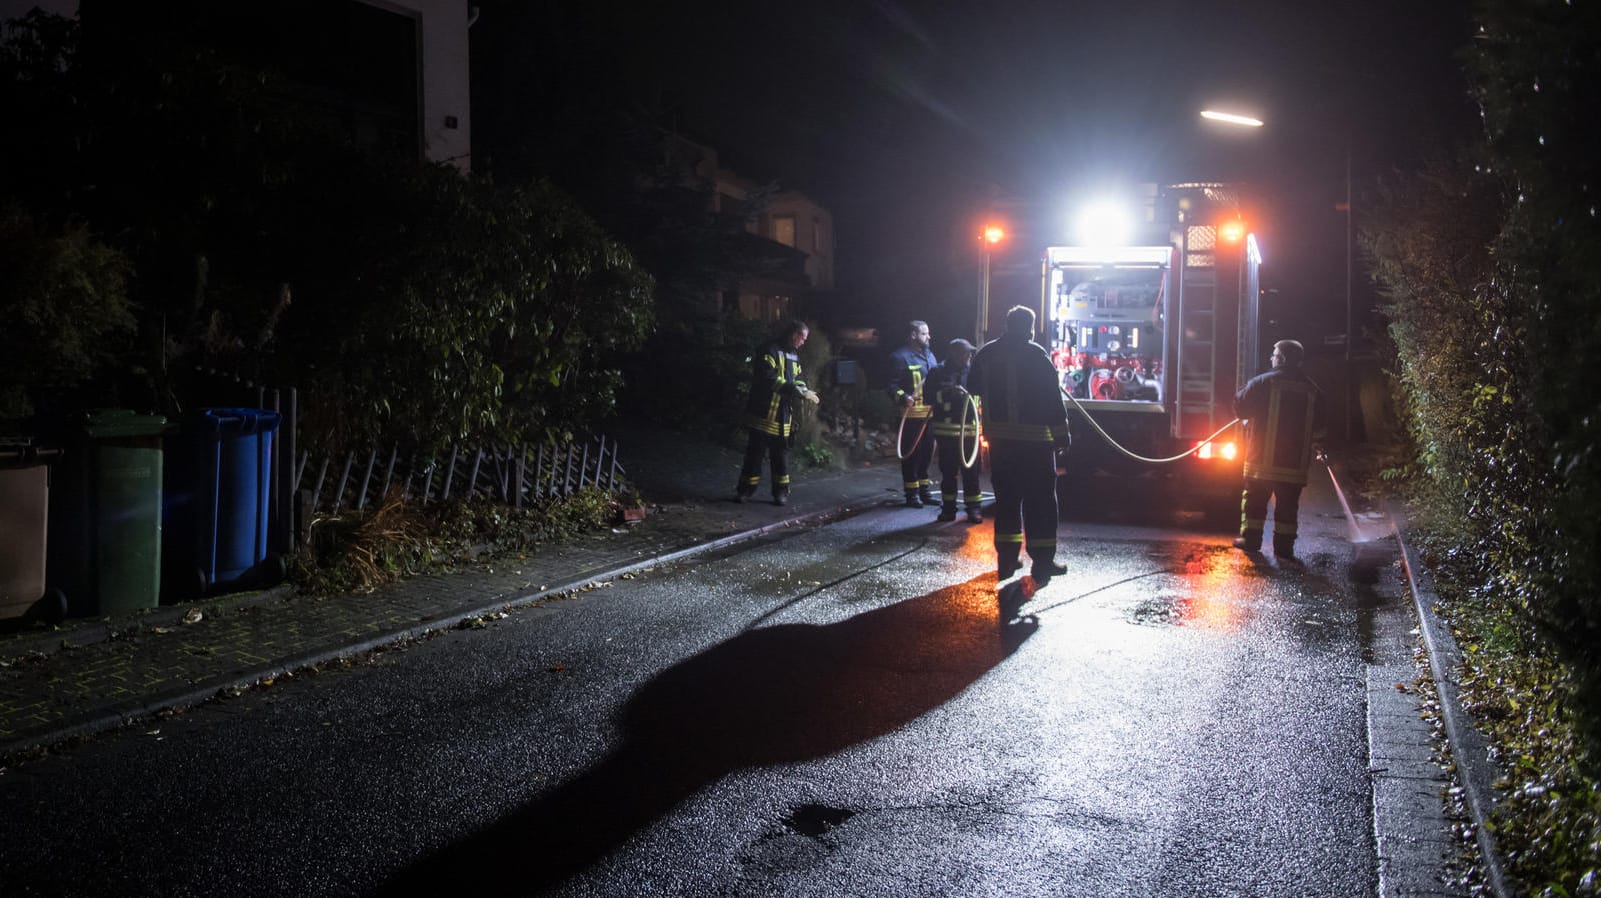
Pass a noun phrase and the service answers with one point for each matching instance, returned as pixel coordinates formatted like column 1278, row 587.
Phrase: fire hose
column 1154, row 461
column 900, row 436
column 968, row 405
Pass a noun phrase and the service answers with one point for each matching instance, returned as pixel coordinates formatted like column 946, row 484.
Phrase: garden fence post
column 472, row 482
column 366, row 479
column 344, row 478
column 450, row 475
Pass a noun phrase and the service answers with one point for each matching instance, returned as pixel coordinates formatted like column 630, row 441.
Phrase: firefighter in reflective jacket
column 1282, row 410
column 1026, row 425
column 910, row 366
column 955, row 433
column 769, row 414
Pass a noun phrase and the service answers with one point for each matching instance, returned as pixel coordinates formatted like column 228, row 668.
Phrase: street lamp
column 1230, row 118
column 991, row 235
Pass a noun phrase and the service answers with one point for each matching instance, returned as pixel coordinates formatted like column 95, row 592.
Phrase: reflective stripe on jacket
column 910, row 369
column 948, row 387
column 1020, row 394
column 1282, row 410
column 775, row 383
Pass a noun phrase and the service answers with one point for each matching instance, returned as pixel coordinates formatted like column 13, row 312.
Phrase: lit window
column 784, row 229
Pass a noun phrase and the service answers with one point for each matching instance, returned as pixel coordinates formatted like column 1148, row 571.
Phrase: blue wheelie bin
column 232, row 478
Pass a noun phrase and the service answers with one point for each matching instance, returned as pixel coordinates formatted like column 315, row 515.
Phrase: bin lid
column 110, row 423
column 20, row 452
column 238, row 420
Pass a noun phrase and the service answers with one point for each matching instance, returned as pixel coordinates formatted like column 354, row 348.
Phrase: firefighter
column 1026, row 425
column 775, row 384
column 910, row 366
column 947, row 384
column 1282, row 410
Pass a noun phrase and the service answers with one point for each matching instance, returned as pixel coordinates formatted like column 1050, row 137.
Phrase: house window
column 754, row 307
column 784, row 229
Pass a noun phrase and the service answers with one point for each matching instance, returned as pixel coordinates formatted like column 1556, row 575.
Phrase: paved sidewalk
column 93, row 675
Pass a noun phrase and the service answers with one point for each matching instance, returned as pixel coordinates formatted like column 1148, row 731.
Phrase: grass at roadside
column 358, row 552
column 1548, row 819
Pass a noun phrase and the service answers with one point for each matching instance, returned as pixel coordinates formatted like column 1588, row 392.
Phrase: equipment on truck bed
column 1153, row 338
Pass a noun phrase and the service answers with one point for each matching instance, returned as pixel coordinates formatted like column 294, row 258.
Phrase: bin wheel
column 199, row 584
column 52, row 609
column 274, row 569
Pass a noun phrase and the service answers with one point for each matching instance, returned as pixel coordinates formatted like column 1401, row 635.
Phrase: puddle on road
column 1159, row 611
column 816, row 819
column 1180, row 610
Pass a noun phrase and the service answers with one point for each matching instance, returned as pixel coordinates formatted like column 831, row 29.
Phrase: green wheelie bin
column 105, row 549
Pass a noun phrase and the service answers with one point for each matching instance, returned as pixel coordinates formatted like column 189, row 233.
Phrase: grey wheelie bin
column 24, row 521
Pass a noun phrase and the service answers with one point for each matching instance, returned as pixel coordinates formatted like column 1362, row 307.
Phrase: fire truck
column 1152, row 337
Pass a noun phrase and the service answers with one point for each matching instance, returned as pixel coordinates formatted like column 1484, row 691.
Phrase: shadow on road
column 777, row 694
column 1145, row 503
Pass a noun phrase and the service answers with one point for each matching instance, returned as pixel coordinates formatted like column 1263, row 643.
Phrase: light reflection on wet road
column 853, row 710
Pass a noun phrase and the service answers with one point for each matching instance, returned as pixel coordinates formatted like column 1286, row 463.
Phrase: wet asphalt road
column 851, row 710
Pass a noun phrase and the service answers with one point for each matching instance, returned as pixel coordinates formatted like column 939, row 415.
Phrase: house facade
column 789, row 219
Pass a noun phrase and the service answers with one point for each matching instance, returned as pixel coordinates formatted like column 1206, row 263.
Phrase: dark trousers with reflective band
column 952, row 452
column 914, row 467
column 776, row 449
column 1024, row 477
column 1286, row 511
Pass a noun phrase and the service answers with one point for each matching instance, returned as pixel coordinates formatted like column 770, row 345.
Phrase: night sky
column 909, row 120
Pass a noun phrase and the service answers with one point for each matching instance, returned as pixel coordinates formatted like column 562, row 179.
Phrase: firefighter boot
column 974, row 515
column 1043, row 571
column 925, row 495
column 781, row 498
column 1005, row 567
column 1284, row 548
column 947, row 512
column 1249, row 541
column 912, row 501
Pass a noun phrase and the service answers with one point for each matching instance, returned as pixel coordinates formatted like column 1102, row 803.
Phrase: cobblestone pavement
column 91, row 675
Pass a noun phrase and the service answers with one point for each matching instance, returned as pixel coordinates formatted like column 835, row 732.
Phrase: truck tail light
column 1209, row 450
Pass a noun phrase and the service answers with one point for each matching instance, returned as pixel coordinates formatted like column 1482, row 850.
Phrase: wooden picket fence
column 303, row 486
column 515, row 476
